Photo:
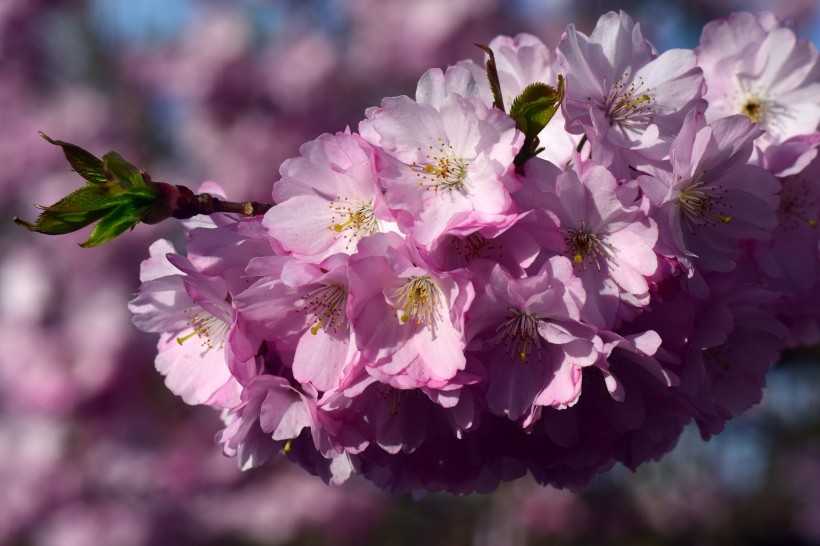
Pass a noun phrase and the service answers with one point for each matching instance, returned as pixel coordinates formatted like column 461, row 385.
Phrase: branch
column 190, row 204
column 118, row 196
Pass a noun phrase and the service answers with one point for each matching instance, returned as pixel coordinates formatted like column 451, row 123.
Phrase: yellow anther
column 640, row 100
column 417, row 300
column 325, row 308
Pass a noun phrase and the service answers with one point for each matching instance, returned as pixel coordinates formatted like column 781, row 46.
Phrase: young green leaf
column 121, row 172
column 83, row 162
column 54, row 223
column 117, row 194
column 116, row 222
column 84, row 199
column 532, row 110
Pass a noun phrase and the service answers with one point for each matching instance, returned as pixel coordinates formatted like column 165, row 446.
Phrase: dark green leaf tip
column 84, row 163
column 492, row 77
column 20, row 222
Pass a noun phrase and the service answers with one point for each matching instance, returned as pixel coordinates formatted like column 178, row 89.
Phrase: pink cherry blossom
column 328, row 198
column 539, row 349
column 304, row 307
column 627, row 100
column 368, row 411
column 756, row 66
column 454, row 164
column 711, row 199
column 730, row 361
column 408, row 319
column 609, row 239
column 791, row 255
column 426, row 309
column 523, row 60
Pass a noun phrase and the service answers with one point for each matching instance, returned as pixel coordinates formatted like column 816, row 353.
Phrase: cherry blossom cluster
column 424, row 310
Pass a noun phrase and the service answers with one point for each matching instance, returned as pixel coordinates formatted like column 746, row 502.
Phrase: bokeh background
column 93, row 448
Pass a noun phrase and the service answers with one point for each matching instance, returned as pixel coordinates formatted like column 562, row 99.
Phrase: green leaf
column 532, row 110
column 531, row 93
column 492, row 78
column 60, row 223
column 83, row 162
column 117, row 195
column 140, row 197
column 85, row 199
column 116, row 222
column 535, row 107
column 121, row 172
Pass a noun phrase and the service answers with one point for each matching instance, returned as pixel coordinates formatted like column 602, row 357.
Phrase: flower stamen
column 474, row 246
column 795, row 210
column 353, row 221
column 442, row 169
column 210, row 329
column 703, row 204
column 585, row 247
column 326, row 308
column 630, row 105
column 417, row 300
column 520, row 334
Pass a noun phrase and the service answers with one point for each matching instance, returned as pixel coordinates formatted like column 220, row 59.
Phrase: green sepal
column 83, row 162
column 532, row 110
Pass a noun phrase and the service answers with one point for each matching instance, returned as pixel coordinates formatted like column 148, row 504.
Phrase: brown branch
column 190, row 204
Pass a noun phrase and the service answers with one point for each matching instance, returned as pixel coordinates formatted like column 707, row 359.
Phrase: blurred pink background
column 94, row 449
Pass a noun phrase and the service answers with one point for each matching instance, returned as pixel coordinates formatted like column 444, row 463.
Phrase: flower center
column 326, row 308
column 631, row 104
column 754, row 101
column 704, row 204
column 755, row 108
column 208, row 328
column 352, row 221
column 520, row 334
column 441, row 168
column 718, row 359
column 398, row 396
column 474, row 246
column 585, row 247
column 795, row 210
column 417, row 301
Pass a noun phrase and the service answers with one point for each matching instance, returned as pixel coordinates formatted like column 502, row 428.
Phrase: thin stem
column 190, row 204
column 581, row 144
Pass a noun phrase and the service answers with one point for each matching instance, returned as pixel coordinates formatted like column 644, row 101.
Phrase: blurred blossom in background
column 95, row 450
